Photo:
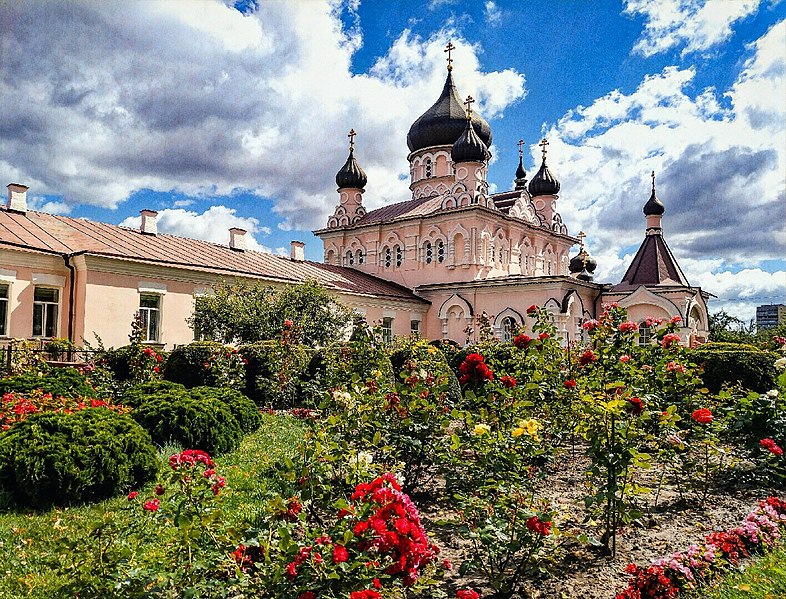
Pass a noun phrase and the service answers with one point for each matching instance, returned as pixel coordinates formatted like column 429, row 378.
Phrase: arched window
column 440, row 251
column 360, row 257
column 428, row 252
column 508, row 328
column 644, row 334
column 388, row 257
column 399, row 255
column 427, row 166
column 350, row 258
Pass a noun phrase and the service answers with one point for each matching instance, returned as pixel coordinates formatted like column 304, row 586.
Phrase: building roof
column 653, row 265
column 417, row 207
column 65, row 235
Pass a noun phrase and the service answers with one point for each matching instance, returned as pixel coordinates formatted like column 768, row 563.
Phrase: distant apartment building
column 770, row 315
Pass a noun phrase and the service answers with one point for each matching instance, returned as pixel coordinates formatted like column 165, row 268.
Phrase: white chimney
column 17, row 197
column 297, row 251
column 237, row 239
column 148, row 222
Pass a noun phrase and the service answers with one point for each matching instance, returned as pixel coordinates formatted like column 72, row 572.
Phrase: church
column 428, row 265
column 467, row 251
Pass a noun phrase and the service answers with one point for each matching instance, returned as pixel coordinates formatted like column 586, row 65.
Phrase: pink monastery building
column 427, row 265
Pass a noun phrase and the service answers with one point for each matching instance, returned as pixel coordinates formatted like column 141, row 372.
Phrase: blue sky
column 219, row 117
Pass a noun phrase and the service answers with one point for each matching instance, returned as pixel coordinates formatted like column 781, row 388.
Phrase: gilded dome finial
column 449, row 48
column 521, row 148
column 468, row 103
column 351, row 137
column 653, row 181
column 543, row 143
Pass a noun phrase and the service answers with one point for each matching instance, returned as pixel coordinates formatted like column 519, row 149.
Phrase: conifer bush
column 243, row 409
column 60, row 459
column 60, row 382
column 731, row 363
column 136, row 395
column 204, row 423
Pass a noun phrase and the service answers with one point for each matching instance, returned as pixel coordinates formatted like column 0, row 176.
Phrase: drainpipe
column 71, row 293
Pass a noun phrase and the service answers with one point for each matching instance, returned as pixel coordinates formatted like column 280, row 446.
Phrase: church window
column 399, row 256
column 414, row 328
column 387, row 330
column 427, row 165
column 440, row 251
column 388, row 257
column 508, row 328
column 361, row 257
column 644, row 334
column 350, row 258
column 429, row 252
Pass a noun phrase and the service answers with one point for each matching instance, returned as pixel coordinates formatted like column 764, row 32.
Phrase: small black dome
column 469, row 147
column 543, row 183
column 444, row 122
column 351, row 175
column 654, row 206
column 520, row 172
column 582, row 261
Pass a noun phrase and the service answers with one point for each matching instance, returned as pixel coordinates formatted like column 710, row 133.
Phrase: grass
column 763, row 578
column 37, row 548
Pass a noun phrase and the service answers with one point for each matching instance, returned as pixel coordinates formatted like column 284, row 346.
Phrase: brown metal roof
column 410, row 208
column 65, row 235
column 653, row 264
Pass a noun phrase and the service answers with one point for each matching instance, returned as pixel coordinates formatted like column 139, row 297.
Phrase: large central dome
column 444, row 122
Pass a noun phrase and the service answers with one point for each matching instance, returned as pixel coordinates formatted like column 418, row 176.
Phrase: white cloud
column 203, row 100
column 41, row 204
column 721, row 173
column 211, row 225
column 698, row 25
column 492, row 13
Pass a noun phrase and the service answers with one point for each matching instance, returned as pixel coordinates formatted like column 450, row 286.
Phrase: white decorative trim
column 204, row 292
column 8, row 276
column 152, row 287
column 642, row 295
column 388, row 314
column 47, row 279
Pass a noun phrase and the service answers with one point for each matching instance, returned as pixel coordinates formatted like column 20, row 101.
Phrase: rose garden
column 294, row 463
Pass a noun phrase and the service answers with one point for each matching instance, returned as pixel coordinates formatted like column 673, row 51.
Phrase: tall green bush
column 425, row 356
column 273, row 371
column 60, row 459
column 732, row 363
column 205, row 363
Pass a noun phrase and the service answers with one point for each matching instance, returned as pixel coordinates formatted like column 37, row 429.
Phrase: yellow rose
column 517, row 432
column 482, row 429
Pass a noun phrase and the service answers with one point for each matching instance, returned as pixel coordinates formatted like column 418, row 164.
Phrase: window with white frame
column 644, row 334
column 4, row 292
column 508, row 328
column 399, row 256
column 428, row 252
column 46, row 307
column 150, row 313
column 350, row 258
column 361, row 258
column 414, row 328
column 440, row 251
column 387, row 329
column 388, row 257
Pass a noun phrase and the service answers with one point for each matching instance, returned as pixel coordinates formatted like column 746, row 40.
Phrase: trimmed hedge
column 730, row 363
column 428, row 357
column 185, row 364
column 60, row 459
column 60, row 382
column 203, row 423
column 273, row 372
column 135, row 396
column 243, row 409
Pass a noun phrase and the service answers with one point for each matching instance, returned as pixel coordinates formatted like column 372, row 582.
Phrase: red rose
column 132, row 495
column 635, row 406
column 587, row 357
column 771, row 446
column 532, row 309
column 508, row 381
column 670, row 340
column 543, row 336
column 522, row 341
column 628, row 327
column 288, row 324
column 307, row 595
column 291, row 570
column 590, row 325
column 569, row 384
column 467, row 594
column 152, row 505
column 676, row 320
column 159, row 490
column 702, row 416
column 340, row 554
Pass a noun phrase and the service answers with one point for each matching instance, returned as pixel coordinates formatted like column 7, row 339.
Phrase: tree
column 727, row 328
column 244, row 312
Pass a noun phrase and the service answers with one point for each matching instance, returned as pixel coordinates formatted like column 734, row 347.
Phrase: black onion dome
column 520, row 172
column 582, row 261
column 469, row 147
column 654, row 205
column 543, row 183
column 444, row 122
column 351, row 175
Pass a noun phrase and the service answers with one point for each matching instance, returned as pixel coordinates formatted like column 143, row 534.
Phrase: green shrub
column 60, row 382
column 428, row 357
column 273, row 372
column 195, row 422
column 243, row 409
column 59, row 459
column 205, row 363
column 138, row 394
column 730, row 363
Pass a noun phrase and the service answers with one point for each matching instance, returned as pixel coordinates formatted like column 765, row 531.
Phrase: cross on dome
column 351, row 137
column 449, row 48
column 543, row 143
column 581, row 237
column 468, row 103
column 521, row 148
column 653, row 181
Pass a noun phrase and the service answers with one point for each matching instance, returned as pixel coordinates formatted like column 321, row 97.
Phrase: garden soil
column 582, row 571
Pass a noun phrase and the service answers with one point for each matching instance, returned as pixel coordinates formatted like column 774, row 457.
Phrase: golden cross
column 521, row 148
column 543, row 143
column 449, row 48
column 468, row 103
column 653, row 181
column 581, row 237
column 351, row 137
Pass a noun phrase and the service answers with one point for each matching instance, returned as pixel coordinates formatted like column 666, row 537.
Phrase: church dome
column 444, row 122
column 520, row 172
column 543, row 183
column 351, row 175
column 582, row 261
column 469, row 147
column 654, row 207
